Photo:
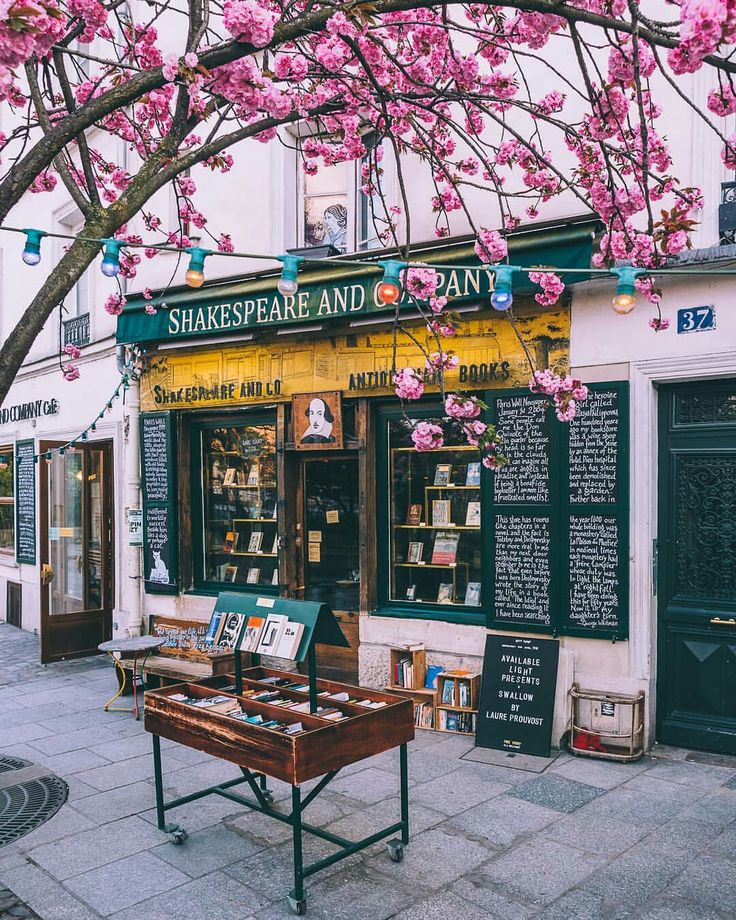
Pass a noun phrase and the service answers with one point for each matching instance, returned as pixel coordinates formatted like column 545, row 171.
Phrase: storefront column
column 130, row 620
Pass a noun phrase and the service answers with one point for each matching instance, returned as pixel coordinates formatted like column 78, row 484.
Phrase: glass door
column 76, row 552
column 331, row 532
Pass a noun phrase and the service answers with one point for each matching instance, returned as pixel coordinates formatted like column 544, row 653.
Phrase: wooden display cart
column 321, row 749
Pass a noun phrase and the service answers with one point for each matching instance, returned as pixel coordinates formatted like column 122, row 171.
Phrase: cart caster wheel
column 268, row 797
column 298, row 907
column 395, row 850
column 177, row 835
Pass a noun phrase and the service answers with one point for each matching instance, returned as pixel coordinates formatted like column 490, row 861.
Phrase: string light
column 32, row 250
column 195, row 273
column 288, row 283
column 389, row 290
column 502, row 296
column 624, row 299
column 111, row 257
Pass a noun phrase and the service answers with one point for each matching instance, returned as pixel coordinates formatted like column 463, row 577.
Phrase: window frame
column 201, row 585
column 6, row 501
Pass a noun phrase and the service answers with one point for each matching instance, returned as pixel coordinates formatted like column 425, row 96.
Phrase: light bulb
column 48, row 458
column 111, row 258
column 30, row 257
column 109, row 268
column 194, row 278
column 388, row 292
column 501, row 299
column 623, row 303
column 287, row 286
column 503, row 279
column 32, row 250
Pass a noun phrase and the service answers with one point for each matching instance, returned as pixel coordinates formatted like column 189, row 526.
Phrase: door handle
column 47, row 574
column 717, row 621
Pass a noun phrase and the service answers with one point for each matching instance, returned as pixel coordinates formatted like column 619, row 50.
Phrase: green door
column 696, row 671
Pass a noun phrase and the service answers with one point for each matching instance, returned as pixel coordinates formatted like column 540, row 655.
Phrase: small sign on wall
column 135, row 526
column 696, row 319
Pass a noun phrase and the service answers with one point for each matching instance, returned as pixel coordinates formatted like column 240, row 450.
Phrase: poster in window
column 317, row 420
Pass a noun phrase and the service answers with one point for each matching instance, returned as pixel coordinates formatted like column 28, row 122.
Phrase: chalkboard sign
column 525, row 423
column 521, row 564
column 25, row 502
column 594, row 449
column 160, row 512
column 594, row 563
column 517, row 695
column 184, row 638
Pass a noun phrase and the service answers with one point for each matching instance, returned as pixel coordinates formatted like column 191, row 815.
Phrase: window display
column 240, row 507
column 435, row 521
column 7, row 500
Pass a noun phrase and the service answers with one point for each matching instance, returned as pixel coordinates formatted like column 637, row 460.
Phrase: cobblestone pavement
column 585, row 839
column 11, row 906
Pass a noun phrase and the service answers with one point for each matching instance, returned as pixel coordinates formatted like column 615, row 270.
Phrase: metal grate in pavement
column 12, row 763
column 26, row 805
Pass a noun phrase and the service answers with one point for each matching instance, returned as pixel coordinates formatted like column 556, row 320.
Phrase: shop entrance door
column 696, row 701
column 329, row 528
column 76, row 551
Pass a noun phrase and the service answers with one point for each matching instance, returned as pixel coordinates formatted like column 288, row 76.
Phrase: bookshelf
column 408, row 674
column 457, row 702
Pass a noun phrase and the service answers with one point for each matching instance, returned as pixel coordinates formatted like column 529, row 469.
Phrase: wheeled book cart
column 321, row 749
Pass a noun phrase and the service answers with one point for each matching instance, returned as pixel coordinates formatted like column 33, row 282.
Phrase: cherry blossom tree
column 454, row 86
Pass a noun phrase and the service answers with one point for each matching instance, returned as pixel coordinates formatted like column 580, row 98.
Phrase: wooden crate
column 419, row 663
column 322, row 747
column 451, row 698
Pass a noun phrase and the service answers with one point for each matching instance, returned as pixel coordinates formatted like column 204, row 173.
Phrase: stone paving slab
column 653, row 840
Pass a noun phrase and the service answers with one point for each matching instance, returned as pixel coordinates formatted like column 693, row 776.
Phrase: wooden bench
column 184, row 656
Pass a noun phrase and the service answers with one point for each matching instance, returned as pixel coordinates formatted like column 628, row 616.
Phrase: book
column 472, row 515
column 275, row 546
column 272, row 630
column 254, row 475
column 459, row 474
column 231, row 573
column 254, row 576
column 255, row 542
column 415, row 552
column 442, row 473
column 444, row 551
column 448, row 693
column 445, row 594
column 275, row 576
column 472, row 594
column 430, row 680
column 213, row 629
column 252, row 634
column 473, row 475
column 232, row 629
column 411, row 592
column 231, row 477
column 463, row 693
column 231, row 541
column 290, row 640
column 440, row 512
column 414, row 515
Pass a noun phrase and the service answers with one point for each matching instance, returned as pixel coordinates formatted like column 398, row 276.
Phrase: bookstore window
column 434, row 512
column 238, row 505
column 7, row 501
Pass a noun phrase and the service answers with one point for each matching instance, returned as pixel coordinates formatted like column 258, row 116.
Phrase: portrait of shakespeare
column 319, row 430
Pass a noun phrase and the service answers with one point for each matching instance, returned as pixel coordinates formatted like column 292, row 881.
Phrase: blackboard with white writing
column 594, row 449
column 522, row 569
column 25, row 502
column 160, row 531
column 517, row 695
column 525, row 424
column 594, row 563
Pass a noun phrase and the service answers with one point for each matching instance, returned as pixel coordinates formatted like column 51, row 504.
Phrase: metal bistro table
column 125, row 650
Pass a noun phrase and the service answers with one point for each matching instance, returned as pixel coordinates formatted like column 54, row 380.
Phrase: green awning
column 335, row 292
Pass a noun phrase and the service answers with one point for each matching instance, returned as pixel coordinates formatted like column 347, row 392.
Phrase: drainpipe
column 131, row 608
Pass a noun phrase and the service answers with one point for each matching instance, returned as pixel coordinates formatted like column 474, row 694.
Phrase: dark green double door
column 696, row 668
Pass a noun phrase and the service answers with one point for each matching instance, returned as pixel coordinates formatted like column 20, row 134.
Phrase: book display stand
column 270, row 723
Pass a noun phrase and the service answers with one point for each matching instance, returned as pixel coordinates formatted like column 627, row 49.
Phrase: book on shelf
column 275, row 510
column 275, row 576
column 254, row 475
column 214, row 627
column 462, row 722
column 254, row 576
column 472, row 477
column 252, row 634
column 442, row 474
column 275, row 545
column 463, row 694
column 231, row 477
column 221, row 571
column 440, row 512
column 423, row 715
column 472, row 515
column 232, row 628
column 472, row 594
column 445, row 594
column 414, row 554
column 231, row 541
column 414, row 515
column 459, row 474
column 272, row 630
column 444, row 551
column 403, row 675
column 290, row 640
column 231, row 573
column 256, row 541
column 433, row 672
column 448, row 693
column 411, row 592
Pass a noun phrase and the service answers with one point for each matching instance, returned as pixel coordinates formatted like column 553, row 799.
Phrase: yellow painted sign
column 359, row 365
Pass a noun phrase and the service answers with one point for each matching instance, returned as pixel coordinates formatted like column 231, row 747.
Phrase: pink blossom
column 491, row 246
column 72, row 351
column 150, row 309
column 114, row 304
column 551, row 285
column 421, row 283
column 442, row 360
column 659, row 323
column 462, row 407
column 409, row 385
column 249, row 21
column 70, row 372
column 225, row 243
column 427, row 436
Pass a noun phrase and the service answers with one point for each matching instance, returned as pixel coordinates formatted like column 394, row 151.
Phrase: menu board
column 594, row 449
column 182, row 636
column 160, row 512
column 25, row 502
column 522, row 569
column 517, row 695
column 525, row 426
column 594, row 567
